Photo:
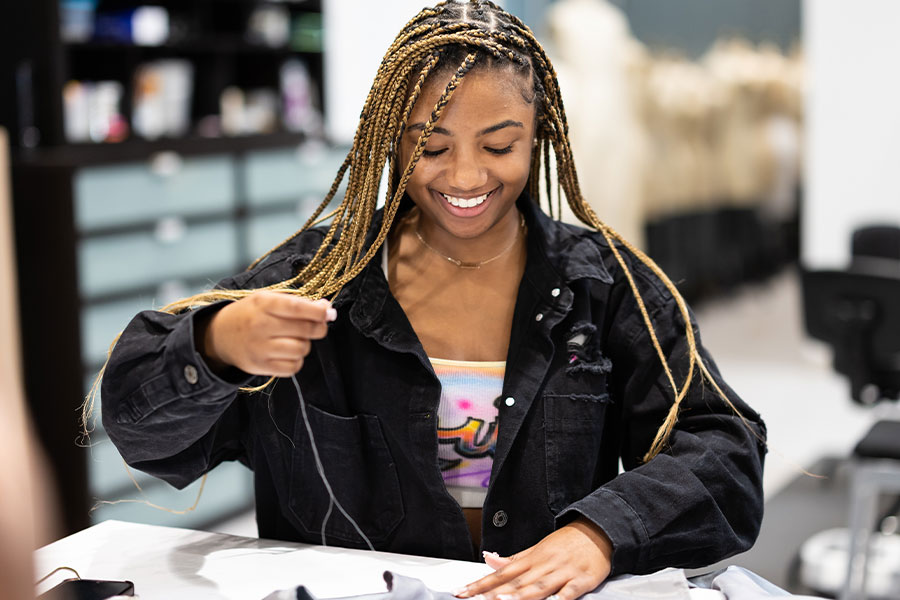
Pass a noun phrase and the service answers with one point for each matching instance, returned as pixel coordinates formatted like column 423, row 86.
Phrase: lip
column 465, row 213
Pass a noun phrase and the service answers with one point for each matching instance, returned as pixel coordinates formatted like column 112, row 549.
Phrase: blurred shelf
column 220, row 44
column 71, row 155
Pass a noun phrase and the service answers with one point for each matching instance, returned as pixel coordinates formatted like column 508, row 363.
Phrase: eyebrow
column 485, row 131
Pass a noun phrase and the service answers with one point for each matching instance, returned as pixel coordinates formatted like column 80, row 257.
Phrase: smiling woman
column 475, row 369
column 473, row 169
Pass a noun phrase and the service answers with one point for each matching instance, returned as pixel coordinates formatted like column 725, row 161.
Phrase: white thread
column 333, row 501
column 277, row 428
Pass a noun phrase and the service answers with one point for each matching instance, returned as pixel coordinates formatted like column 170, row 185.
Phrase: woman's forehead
column 480, row 90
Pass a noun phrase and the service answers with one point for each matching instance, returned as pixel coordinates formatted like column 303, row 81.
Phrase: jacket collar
column 558, row 254
column 571, row 251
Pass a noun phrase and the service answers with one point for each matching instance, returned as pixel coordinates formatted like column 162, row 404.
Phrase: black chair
column 857, row 312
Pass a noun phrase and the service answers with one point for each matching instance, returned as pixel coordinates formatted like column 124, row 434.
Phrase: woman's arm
column 170, row 385
column 698, row 501
column 163, row 407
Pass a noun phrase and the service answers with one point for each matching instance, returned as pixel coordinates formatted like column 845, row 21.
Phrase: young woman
column 480, row 369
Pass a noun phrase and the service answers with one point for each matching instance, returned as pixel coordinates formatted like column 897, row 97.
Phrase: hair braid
column 430, row 43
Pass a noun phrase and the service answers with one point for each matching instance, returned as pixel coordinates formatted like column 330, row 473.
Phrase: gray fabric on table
column 732, row 583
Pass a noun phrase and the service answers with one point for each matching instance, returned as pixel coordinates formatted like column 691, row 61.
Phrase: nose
column 466, row 173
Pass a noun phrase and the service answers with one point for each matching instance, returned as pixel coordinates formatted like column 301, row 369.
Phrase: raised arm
column 170, row 387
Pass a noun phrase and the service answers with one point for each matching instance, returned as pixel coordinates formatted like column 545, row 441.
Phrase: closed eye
column 430, row 153
column 505, row 150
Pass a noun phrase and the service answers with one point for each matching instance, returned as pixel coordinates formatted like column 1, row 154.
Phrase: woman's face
column 477, row 160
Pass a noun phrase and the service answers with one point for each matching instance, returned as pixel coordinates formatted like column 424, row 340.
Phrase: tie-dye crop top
column 467, row 426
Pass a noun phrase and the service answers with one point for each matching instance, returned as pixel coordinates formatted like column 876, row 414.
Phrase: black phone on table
column 88, row 589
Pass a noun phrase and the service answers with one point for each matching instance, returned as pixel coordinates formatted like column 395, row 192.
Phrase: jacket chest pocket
column 574, row 413
column 359, row 467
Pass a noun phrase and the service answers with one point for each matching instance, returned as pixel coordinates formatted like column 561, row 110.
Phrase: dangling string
column 56, row 570
column 333, row 501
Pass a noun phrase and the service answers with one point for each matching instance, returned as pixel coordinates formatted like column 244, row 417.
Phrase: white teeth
column 465, row 202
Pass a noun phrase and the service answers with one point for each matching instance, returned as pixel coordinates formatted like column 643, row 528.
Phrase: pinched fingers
column 266, row 333
column 279, row 357
column 309, row 330
column 288, row 348
column 287, row 306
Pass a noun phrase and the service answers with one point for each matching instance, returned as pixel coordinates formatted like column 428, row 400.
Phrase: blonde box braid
column 427, row 43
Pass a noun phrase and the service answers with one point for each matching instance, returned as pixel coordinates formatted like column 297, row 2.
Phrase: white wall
column 357, row 34
column 853, row 123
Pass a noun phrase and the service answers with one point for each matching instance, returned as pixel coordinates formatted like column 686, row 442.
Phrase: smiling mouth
column 466, row 202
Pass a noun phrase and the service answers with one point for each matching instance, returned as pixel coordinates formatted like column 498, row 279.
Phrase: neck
column 486, row 248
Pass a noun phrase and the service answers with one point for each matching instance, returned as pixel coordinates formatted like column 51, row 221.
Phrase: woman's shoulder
column 282, row 262
column 580, row 248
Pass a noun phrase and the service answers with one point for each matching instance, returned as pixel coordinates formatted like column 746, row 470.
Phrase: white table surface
column 166, row 563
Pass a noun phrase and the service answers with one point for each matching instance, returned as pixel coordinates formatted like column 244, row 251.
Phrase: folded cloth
column 399, row 588
column 738, row 583
column 731, row 583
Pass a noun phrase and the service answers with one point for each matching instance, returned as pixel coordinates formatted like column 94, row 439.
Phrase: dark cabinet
column 107, row 228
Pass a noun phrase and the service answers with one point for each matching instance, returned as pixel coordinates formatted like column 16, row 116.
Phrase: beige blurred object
column 724, row 131
column 26, row 513
column 745, row 156
column 600, row 69
column 681, row 109
column 783, row 103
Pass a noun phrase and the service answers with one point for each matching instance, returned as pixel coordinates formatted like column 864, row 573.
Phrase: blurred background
column 157, row 146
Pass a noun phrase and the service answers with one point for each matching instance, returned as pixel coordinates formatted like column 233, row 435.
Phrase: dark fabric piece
column 373, row 400
column 882, row 441
column 398, row 588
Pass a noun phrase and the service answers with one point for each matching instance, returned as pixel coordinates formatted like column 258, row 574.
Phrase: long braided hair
column 484, row 36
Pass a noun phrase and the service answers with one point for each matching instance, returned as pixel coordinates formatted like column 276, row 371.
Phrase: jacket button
column 538, row 316
column 509, row 401
column 500, row 518
column 190, row 374
column 554, row 292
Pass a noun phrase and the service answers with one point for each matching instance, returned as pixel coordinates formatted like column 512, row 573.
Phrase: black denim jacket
column 583, row 390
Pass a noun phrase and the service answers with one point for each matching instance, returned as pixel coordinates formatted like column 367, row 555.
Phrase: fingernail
column 506, row 597
column 487, row 553
column 331, row 314
column 460, row 592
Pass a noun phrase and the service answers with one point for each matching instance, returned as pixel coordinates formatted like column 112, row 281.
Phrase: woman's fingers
column 267, row 333
column 567, row 563
column 287, row 348
column 282, row 367
column 495, row 561
column 291, row 328
column 535, row 579
column 521, row 579
column 286, row 306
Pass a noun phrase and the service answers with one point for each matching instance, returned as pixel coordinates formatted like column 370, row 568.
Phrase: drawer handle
column 166, row 164
column 170, row 291
column 170, row 230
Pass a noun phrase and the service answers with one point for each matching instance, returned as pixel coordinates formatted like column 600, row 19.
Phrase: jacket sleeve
column 700, row 500
column 166, row 412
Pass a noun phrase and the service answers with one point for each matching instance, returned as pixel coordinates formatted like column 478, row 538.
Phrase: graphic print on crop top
column 467, row 426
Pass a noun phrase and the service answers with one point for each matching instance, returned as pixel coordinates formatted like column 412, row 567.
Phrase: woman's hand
column 567, row 564
column 265, row 333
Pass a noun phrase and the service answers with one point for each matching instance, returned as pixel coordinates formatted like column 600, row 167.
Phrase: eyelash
column 497, row 151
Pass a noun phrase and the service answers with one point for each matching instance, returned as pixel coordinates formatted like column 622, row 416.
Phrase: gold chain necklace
column 472, row 265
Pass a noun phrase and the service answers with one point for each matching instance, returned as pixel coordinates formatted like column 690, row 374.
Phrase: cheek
column 403, row 160
column 520, row 169
column 421, row 175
